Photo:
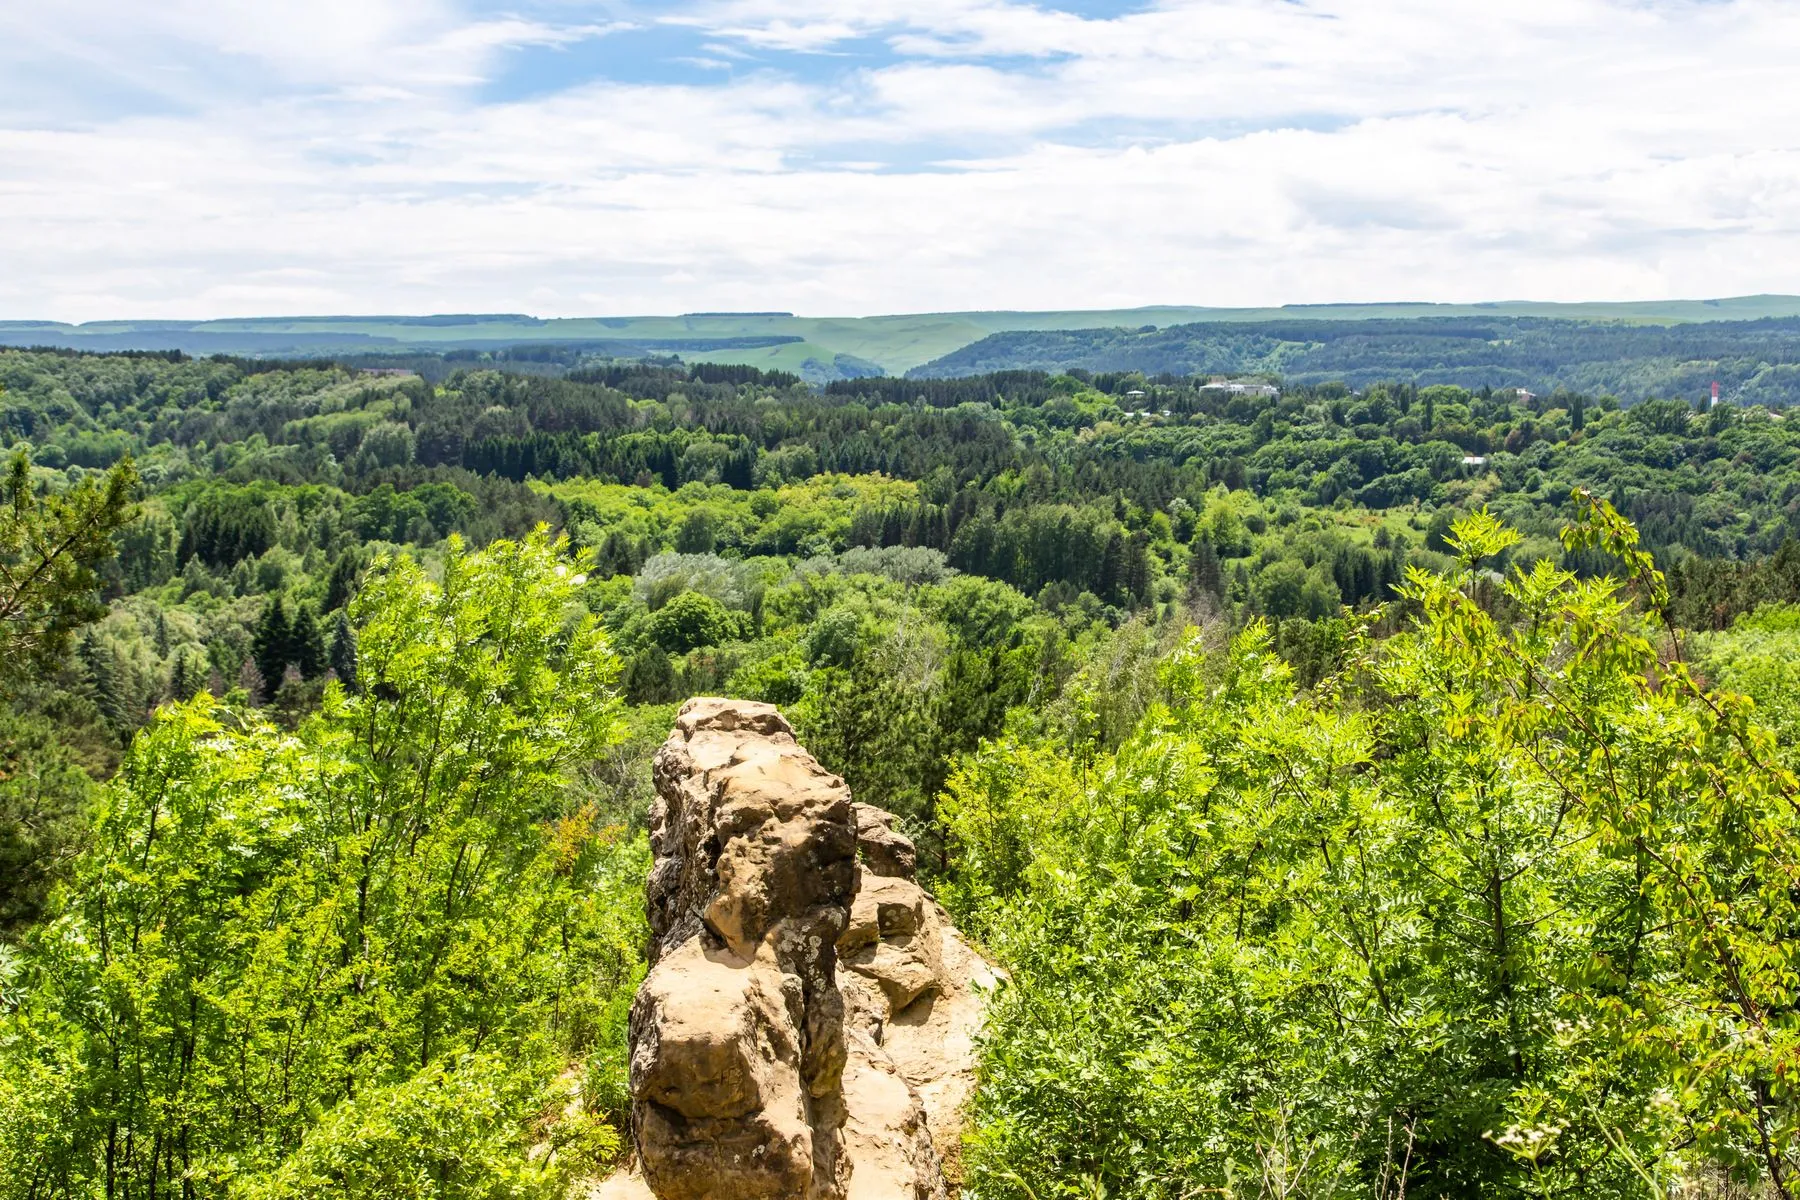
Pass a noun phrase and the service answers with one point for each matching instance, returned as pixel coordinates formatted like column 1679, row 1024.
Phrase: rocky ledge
column 807, row 1026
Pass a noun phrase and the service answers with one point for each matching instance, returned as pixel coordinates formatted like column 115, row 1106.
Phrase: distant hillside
column 819, row 349
column 1754, row 361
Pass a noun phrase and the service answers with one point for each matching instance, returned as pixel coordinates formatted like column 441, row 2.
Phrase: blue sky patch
column 654, row 53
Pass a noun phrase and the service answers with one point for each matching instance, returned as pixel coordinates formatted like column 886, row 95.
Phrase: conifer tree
column 1137, row 567
column 1112, row 569
column 188, row 674
column 306, row 644
column 49, row 549
column 271, row 646
column 619, row 555
column 343, row 651
column 341, row 584
column 1204, row 573
column 100, row 669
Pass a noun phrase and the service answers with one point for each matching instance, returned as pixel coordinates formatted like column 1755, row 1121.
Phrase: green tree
column 1135, row 577
column 1205, row 575
column 187, row 675
column 104, row 675
column 343, row 651
column 695, row 536
column 351, row 960
column 1437, row 533
column 876, row 733
column 273, row 646
column 44, row 799
column 340, row 585
column 651, row 678
column 835, row 636
column 306, row 643
column 50, row 547
column 1501, row 906
column 689, row 621
column 1111, row 582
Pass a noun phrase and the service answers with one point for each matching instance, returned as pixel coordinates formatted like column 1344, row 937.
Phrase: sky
column 187, row 159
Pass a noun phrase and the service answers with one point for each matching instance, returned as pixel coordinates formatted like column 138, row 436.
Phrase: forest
column 1754, row 361
column 1370, row 786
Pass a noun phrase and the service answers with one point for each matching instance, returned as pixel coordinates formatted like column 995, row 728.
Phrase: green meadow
column 779, row 341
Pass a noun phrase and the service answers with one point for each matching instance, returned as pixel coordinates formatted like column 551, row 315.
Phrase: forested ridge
column 1370, row 788
column 1756, row 362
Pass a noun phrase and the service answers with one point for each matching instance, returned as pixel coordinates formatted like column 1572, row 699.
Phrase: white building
column 1241, row 387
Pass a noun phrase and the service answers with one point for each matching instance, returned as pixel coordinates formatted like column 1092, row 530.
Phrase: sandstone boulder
column 883, row 849
column 737, row 1033
column 912, row 985
column 761, row 1065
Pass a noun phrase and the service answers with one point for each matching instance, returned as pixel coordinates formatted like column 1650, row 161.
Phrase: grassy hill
column 819, row 348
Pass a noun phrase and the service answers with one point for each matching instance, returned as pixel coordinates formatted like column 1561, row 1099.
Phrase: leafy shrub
column 1758, row 657
column 449, row 1132
column 689, row 621
column 833, row 638
column 668, row 575
column 387, row 917
column 1495, row 911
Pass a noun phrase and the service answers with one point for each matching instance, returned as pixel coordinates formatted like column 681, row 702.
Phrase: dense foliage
column 1491, row 913
column 350, row 960
column 1332, row 801
column 1758, row 362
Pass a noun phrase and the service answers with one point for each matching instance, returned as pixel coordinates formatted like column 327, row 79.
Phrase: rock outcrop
column 807, row 1027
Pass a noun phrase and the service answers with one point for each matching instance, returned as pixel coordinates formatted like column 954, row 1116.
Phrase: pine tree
column 1112, row 570
column 188, row 675
column 343, row 651
column 1205, row 574
column 306, row 644
column 271, row 646
column 196, row 576
column 740, row 469
column 619, row 555
column 650, row 677
column 101, row 670
column 50, row 549
column 1437, row 534
column 1137, row 567
column 341, row 584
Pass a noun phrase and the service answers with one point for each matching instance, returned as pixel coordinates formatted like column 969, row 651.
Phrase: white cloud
column 337, row 155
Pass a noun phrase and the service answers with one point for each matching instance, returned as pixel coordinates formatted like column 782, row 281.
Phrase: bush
column 1503, row 904
column 388, row 917
column 448, row 1132
column 689, row 621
